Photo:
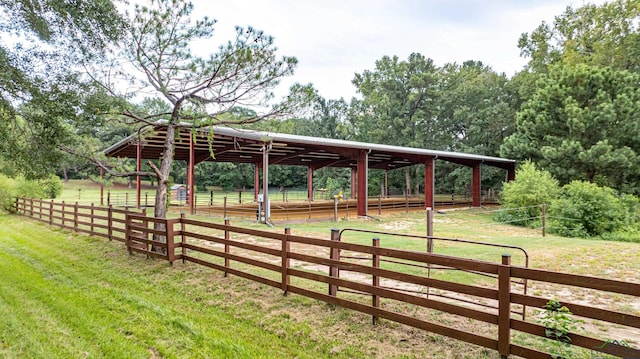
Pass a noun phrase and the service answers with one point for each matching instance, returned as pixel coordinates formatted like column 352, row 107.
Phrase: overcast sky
column 334, row 39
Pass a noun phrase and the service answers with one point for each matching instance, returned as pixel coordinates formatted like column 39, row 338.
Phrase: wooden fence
column 312, row 267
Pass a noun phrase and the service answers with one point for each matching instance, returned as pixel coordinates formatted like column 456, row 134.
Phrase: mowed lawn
column 69, row 296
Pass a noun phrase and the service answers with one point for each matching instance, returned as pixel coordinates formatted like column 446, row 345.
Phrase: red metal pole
column 138, row 168
column 310, row 183
column 362, row 182
column 386, row 183
column 190, row 175
column 428, row 183
column 511, row 173
column 476, row 185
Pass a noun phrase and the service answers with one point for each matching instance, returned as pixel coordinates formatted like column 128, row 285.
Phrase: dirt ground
column 388, row 339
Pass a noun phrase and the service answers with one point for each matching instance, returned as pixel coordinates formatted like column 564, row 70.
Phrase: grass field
column 73, row 297
column 63, row 295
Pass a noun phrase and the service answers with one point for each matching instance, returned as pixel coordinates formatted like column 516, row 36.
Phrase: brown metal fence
column 311, row 267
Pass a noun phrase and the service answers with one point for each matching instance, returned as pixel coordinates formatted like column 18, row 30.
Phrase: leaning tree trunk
column 160, row 209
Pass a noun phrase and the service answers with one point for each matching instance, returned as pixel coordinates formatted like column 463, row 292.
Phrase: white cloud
column 334, row 39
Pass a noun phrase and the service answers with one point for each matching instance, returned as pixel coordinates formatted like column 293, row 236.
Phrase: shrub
column 585, row 210
column 52, row 186
column 521, row 198
column 7, row 193
column 12, row 188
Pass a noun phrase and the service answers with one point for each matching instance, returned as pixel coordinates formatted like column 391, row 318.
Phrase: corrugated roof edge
column 274, row 136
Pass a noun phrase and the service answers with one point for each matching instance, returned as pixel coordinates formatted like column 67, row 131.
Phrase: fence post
column 379, row 204
column 51, row 213
column 544, row 219
column 286, row 262
column 40, row 209
column 110, row 221
column 430, row 227
column 63, row 211
column 31, row 206
column 171, row 244
column 211, row 198
column 375, row 300
column 17, row 205
column 91, row 231
column 334, row 255
column 183, row 239
column 146, row 198
column 239, row 197
column 128, row 229
column 108, row 197
column 504, row 306
column 429, row 242
column 226, row 243
column 224, row 208
column 75, row 217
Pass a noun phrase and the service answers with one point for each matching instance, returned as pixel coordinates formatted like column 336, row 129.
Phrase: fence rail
column 312, row 267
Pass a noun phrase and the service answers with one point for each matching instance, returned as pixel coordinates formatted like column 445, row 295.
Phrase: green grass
column 66, row 296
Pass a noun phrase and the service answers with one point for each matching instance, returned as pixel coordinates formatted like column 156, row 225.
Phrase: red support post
column 476, row 185
column 386, row 183
column 428, row 183
column 363, row 166
column 511, row 173
column 310, row 183
column 138, row 168
column 190, row 175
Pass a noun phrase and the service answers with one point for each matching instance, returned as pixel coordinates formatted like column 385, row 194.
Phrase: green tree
column 600, row 35
column 43, row 41
column 399, row 107
column 523, row 197
column 479, row 105
column 200, row 91
column 582, row 124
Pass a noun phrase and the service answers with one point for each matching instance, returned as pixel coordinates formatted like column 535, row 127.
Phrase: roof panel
column 240, row 145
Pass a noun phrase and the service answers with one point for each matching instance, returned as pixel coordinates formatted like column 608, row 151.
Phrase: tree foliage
column 199, row 91
column 45, row 43
column 582, row 123
column 598, row 35
column 585, row 209
column 523, row 197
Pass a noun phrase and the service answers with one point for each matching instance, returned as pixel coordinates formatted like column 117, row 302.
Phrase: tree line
column 72, row 78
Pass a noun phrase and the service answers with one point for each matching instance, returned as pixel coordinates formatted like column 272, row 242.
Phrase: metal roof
column 245, row 146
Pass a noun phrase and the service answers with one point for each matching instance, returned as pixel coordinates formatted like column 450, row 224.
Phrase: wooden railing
column 108, row 222
column 311, row 267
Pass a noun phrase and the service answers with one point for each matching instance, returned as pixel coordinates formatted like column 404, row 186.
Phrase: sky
column 334, row 39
